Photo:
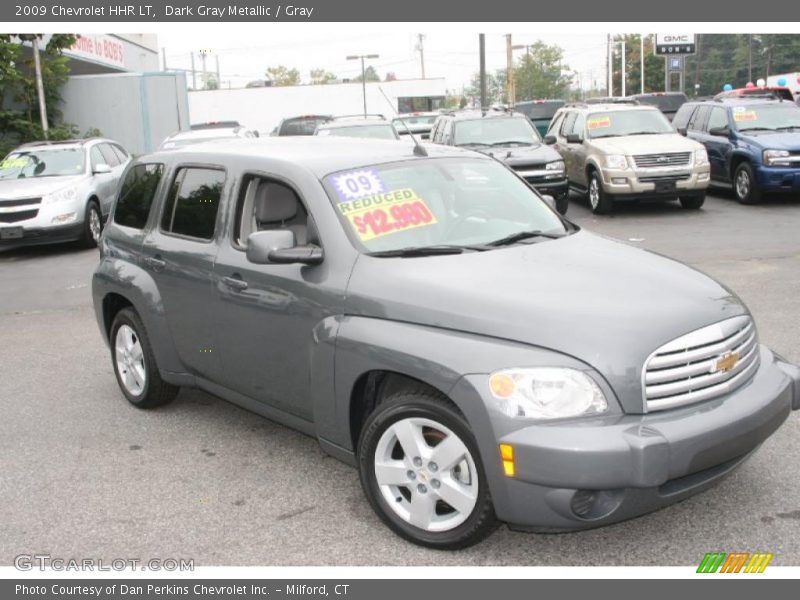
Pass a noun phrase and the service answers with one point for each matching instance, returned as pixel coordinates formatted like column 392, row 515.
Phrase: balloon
column 727, row 87
column 782, row 82
column 761, row 83
column 749, row 84
column 798, row 80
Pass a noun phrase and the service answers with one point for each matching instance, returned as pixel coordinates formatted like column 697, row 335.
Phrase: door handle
column 156, row 263
column 235, row 283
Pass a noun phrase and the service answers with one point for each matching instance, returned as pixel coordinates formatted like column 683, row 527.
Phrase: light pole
column 363, row 74
column 33, row 38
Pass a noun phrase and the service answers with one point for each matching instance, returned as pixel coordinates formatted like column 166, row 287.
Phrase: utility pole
column 204, row 77
column 363, row 74
column 609, row 68
column 641, row 61
column 421, row 49
column 164, row 59
column 194, row 77
column 749, row 57
column 482, row 53
column 622, row 66
column 699, row 59
column 219, row 81
column 509, row 70
column 33, row 38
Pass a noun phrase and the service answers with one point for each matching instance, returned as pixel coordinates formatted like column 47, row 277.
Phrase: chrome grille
column 19, row 202
column 660, row 178
column 688, row 370
column 667, row 159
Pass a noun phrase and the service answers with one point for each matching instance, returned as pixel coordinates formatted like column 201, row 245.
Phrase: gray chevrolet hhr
column 429, row 318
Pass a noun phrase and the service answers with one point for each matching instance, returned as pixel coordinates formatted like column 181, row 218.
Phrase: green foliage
column 321, row 77
column 370, row 74
column 282, row 76
column 539, row 73
column 19, row 103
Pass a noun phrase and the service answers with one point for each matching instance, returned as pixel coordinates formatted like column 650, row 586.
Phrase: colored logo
column 736, row 562
column 726, row 362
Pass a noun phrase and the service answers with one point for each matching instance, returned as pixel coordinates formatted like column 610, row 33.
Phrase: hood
column 602, row 302
column 645, row 144
column 783, row 140
column 35, row 186
column 522, row 155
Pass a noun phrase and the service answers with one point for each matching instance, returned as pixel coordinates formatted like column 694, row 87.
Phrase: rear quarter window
column 136, row 195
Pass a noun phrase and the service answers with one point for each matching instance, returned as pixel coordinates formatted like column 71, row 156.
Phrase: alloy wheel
column 594, row 192
column 130, row 360
column 742, row 184
column 95, row 226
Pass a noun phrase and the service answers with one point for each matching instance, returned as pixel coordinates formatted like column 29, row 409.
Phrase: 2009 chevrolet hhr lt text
column 430, row 319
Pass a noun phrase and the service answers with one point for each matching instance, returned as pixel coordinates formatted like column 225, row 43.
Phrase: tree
column 370, row 74
column 539, row 73
column 282, row 76
column 322, row 77
column 20, row 123
column 495, row 87
column 390, row 76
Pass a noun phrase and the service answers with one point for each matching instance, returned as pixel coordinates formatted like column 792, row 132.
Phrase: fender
column 438, row 357
column 124, row 277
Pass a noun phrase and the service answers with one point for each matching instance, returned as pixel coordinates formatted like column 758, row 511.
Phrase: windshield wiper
column 412, row 251
column 510, row 142
column 523, row 235
column 756, row 129
column 786, row 128
column 647, row 132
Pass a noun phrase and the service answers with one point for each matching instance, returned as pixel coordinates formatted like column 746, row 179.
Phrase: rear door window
column 193, row 203
column 136, row 195
column 699, row 118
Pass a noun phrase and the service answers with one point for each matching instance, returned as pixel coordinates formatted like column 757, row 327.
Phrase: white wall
column 263, row 108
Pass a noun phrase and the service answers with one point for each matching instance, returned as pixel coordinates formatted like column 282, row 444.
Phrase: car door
column 104, row 184
column 716, row 138
column 179, row 254
column 267, row 315
column 567, row 150
column 117, row 168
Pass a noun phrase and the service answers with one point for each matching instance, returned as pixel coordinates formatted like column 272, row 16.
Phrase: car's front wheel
column 421, row 472
column 744, row 184
column 599, row 201
column 134, row 363
column 92, row 224
column 562, row 203
column 692, row 202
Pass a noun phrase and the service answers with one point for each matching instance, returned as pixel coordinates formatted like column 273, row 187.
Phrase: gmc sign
column 671, row 43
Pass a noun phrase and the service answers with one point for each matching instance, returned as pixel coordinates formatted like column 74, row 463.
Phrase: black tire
column 692, row 202
column 423, row 403
column 88, row 239
column 602, row 203
column 155, row 392
column 745, row 190
column 562, row 204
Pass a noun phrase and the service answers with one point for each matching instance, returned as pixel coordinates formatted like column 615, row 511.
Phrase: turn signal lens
column 501, row 385
column 507, row 456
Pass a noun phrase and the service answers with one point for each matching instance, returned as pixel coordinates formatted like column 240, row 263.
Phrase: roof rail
column 359, row 116
column 57, row 142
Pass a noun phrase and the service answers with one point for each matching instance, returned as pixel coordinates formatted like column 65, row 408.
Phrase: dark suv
column 512, row 139
column 753, row 145
column 667, row 102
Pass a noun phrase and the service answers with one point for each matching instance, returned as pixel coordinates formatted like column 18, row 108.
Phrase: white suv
column 58, row 191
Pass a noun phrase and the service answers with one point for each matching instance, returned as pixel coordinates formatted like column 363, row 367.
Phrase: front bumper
column 778, row 179
column 34, row 236
column 580, row 473
column 557, row 189
column 666, row 183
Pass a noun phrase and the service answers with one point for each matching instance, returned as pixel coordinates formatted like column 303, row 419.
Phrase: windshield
column 495, row 131
column 778, row 116
column 626, row 122
column 375, row 132
column 50, row 162
column 667, row 102
column 436, row 202
column 187, row 141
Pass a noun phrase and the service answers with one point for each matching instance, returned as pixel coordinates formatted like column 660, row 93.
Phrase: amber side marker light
column 507, row 456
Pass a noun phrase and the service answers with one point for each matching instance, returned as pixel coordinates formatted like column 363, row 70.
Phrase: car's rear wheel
column 92, row 225
column 692, row 202
column 744, row 184
column 599, row 201
column 134, row 363
column 422, row 473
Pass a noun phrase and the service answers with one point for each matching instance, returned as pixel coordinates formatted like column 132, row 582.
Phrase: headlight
column 616, row 161
column 772, row 157
column 556, row 165
column 701, row 157
column 64, row 195
column 546, row 393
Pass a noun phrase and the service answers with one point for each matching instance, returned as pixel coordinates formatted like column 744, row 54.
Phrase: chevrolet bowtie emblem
column 726, row 362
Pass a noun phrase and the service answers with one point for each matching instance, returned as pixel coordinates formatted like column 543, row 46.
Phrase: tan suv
column 627, row 151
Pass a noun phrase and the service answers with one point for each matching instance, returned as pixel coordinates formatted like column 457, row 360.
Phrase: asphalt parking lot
column 84, row 474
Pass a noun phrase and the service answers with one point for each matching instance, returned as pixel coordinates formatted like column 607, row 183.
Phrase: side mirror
column 549, row 140
column 304, row 255
column 574, row 138
column 719, row 131
column 256, row 134
column 550, row 201
column 101, row 169
column 682, row 130
column 261, row 243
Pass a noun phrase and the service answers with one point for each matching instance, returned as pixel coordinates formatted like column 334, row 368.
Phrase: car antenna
column 419, row 149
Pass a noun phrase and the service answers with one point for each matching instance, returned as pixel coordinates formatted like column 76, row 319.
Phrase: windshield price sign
column 674, row 43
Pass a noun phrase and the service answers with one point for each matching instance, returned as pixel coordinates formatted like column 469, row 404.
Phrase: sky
column 449, row 54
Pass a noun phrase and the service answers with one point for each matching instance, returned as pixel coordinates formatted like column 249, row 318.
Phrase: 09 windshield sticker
column 598, row 122
column 382, row 214
column 740, row 113
column 357, row 184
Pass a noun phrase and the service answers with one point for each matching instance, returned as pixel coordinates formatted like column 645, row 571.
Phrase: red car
column 780, row 92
